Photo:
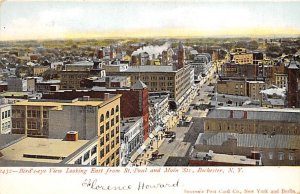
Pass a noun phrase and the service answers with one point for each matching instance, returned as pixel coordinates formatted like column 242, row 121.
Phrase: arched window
column 112, row 112
column 117, row 108
column 102, row 118
column 107, row 114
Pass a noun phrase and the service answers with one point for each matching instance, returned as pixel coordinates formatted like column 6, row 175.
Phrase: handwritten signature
column 93, row 184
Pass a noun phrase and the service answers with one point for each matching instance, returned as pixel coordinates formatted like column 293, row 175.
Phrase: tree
column 24, row 71
column 252, row 45
column 222, row 54
column 241, row 44
column 50, row 74
column 273, row 50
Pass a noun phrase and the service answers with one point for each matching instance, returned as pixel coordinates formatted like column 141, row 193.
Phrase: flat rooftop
column 262, row 109
column 250, row 140
column 58, row 104
column 81, row 63
column 158, row 98
column 224, row 158
column 126, row 123
column 112, row 78
column 49, row 148
column 151, row 68
column 14, row 94
column 50, row 82
column 7, row 139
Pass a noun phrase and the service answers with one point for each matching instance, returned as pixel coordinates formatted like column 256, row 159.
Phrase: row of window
column 108, row 138
column 87, row 155
column 36, row 113
column 5, row 114
column 112, row 157
column 108, row 125
column 6, row 125
column 112, row 112
column 259, row 129
column 280, row 156
column 93, row 161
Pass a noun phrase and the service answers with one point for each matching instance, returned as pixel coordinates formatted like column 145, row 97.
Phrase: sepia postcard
column 162, row 96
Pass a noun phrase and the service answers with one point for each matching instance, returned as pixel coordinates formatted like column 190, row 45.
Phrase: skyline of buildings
column 120, row 108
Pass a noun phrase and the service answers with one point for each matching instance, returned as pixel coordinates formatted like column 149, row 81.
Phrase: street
column 187, row 136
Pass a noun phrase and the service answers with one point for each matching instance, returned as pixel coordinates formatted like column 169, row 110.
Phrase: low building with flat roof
column 253, row 120
column 273, row 149
column 88, row 117
column 80, row 152
column 216, row 159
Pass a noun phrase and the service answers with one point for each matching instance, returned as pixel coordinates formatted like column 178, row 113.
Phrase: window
column 33, row 113
column 5, row 114
column 78, row 161
column 107, row 115
column 94, row 150
column 291, row 156
column 112, row 133
column 112, row 123
column 117, row 108
column 113, row 157
column 271, row 155
column 117, row 119
column 118, row 151
column 107, row 125
column 86, row 156
column 117, row 140
column 117, row 129
column 280, row 156
column 29, row 113
column 45, row 114
column 102, row 141
column 107, row 137
column 94, row 162
column 101, row 129
column 2, row 115
column 102, row 118
column 102, row 153
column 107, row 148
column 112, row 145
column 112, row 112
column 107, row 161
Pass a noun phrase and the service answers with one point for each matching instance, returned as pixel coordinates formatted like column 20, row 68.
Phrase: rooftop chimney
column 72, row 136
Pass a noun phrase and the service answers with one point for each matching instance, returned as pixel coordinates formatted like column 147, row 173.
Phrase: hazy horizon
column 45, row 20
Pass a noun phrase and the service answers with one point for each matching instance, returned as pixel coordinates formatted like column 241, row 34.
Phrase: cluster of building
column 107, row 110
column 247, row 74
column 102, row 111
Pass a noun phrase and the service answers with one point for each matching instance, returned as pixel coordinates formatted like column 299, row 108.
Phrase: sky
column 24, row 20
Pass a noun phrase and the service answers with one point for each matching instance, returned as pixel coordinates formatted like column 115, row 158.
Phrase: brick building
column 134, row 101
column 253, row 120
column 293, row 76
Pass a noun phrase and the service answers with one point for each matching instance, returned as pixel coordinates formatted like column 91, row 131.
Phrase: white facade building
column 5, row 119
column 131, row 137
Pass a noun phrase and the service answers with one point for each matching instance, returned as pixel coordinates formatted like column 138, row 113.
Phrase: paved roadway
column 187, row 136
